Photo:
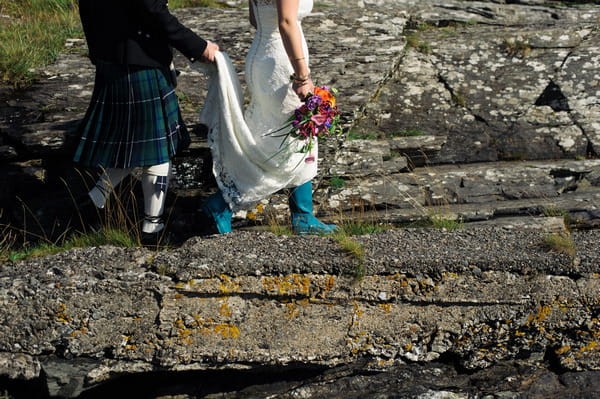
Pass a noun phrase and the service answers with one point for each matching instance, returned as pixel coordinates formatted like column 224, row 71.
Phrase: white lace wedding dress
column 249, row 161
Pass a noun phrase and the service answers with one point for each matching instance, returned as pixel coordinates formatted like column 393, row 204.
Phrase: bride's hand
column 302, row 89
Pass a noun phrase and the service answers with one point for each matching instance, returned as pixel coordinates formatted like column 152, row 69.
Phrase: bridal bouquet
column 317, row 117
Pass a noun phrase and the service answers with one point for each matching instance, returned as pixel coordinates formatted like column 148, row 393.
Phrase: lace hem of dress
column 231, row 194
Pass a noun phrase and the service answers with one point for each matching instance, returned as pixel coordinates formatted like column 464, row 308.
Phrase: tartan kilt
column 133, row 119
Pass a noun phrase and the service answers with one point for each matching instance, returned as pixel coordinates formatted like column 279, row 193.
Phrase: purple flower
column 313, row 102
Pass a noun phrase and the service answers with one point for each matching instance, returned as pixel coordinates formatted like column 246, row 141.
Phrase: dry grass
column 560, row 243
column 32, row 35
column 516, row 47
column 355, row 250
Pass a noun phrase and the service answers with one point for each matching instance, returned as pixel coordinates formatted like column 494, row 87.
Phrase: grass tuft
column 337, row 182
column 7, row 242
column 445, row 222
column 516, row 48
column 554, row 212
column 359, row 228
column 560, row 243
column 414, row 41
column 459, row 99
column 407, row 133
column 280, row 230
column 355, row 250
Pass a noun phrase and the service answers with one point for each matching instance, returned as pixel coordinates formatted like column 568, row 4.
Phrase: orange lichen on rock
column 228, row 285
column 294, row 284
column 227, row 330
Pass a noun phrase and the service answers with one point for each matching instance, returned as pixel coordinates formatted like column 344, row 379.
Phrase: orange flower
column 325, row 95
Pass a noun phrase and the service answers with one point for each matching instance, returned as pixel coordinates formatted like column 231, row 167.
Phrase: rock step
column 359, row 158
column 249, row 300
column 470, row 193
column 443, row 185
column 580, row 210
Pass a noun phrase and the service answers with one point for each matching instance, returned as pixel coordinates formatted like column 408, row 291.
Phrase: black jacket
column 137, row 32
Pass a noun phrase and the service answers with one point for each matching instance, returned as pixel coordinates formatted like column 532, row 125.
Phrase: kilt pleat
column 133, row 119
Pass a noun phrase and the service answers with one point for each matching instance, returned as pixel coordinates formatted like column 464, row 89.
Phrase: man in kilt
column 133, row 119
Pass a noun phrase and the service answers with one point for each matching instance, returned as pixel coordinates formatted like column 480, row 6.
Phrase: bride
column 250, row 162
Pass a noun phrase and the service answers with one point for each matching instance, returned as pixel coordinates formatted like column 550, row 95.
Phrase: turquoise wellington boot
column 301, row 208
column 216, row 208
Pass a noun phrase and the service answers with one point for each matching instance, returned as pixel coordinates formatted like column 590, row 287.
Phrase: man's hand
column 209, row 53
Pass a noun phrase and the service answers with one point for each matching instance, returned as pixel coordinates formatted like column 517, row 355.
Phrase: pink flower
column 310, row 158
column 319, row 120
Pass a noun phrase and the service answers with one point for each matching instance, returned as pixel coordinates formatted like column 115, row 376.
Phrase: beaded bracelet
column 297, row 79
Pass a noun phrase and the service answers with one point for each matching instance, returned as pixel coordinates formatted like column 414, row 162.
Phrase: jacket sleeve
column 178, row 36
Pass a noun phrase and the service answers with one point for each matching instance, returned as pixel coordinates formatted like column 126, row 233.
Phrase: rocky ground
column 484, row 114
column 476, row 304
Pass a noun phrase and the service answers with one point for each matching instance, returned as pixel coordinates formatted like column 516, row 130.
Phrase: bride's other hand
column 303, row 89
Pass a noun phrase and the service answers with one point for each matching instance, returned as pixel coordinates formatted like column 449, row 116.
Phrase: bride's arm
column 287, row 11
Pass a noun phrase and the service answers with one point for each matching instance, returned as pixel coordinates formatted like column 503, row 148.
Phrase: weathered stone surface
column 594, row 177
column 486, row 99
column 485, row 186
column 19, row 366
column 583, row 94
column 360, row 158
column 551, row 224
column 248, row 300
column 418, row 149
